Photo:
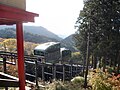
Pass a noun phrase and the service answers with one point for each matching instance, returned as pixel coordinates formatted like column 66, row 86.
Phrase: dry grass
column 58, row 85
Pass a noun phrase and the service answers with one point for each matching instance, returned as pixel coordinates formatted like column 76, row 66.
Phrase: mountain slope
column 11, row 33
column 36, row 30
column 69, row 43
column 41, row 31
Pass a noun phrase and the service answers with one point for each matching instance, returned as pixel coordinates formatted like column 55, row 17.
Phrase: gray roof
column 62, row 49
column 44, row 46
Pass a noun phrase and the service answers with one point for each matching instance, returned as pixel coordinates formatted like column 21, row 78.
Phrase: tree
column 9, row 45
column 76, row 57
column 104, row 32
column 103, row 17
column 29, row 47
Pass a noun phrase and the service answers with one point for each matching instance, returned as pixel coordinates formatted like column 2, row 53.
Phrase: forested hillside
column 41, row 31
column 11, row 33
column 69, row 43
column 35, row 38
column 36, row 30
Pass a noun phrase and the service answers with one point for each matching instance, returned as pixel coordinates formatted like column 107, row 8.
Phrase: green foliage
column 7, row 33
column 76, row 56
column 69, row 43
column 11, row 33
column 99, row 18
column 78, row 80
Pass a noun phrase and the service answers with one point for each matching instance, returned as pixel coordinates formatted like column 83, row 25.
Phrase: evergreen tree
column 101, row 19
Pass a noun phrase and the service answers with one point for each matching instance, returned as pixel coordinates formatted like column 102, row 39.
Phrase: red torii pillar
column 20, row 51
column 9, row 16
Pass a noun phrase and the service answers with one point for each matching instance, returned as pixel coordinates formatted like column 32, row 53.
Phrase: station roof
column 44, row 46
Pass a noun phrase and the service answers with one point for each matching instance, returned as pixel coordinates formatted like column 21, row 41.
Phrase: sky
column 58, row 16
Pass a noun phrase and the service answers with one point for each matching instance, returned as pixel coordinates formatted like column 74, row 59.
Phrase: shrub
column 78, row 80
column 67, row 85
column 60, row 86
column 104, row 80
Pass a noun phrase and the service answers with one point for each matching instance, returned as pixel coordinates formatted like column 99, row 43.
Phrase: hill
column 69, row 43
column 11, row 33
column 41, row 31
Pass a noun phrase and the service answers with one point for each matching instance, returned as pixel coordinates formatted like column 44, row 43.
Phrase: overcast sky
column 58, row 16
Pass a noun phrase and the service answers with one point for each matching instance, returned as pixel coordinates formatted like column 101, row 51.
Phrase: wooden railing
column 36, row 69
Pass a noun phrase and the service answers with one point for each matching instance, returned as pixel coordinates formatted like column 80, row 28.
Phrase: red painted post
column 20, row 51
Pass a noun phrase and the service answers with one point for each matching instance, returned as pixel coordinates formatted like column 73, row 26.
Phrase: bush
column 56, row 85
column 78, row 80
column 104, row 80
column 59, row 85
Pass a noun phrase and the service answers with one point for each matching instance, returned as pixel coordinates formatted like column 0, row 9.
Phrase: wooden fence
column 36, row 70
